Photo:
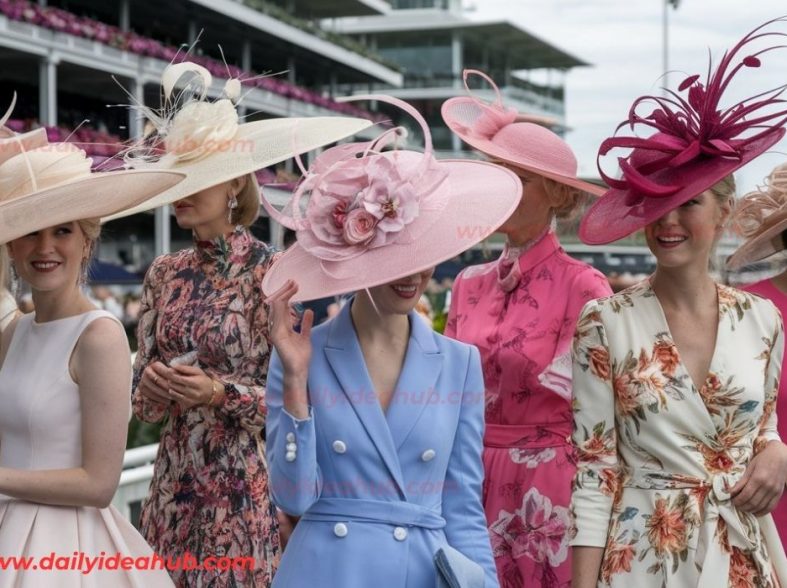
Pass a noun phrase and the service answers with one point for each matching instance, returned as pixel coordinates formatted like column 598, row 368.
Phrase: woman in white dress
column 676, row 378
column 65, row 380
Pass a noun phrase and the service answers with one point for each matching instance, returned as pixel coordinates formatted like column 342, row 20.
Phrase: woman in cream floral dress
column 675, row 379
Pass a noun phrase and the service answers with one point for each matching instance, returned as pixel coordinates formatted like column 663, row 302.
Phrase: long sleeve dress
column 766, row 289
column 521, row 311
column 657, row 457
column 209, row 493
column 380, row 492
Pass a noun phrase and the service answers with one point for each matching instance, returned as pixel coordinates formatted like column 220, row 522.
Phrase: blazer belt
column 528, row 436
column 397, row 513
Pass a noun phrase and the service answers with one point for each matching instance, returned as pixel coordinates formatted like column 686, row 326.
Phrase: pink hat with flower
column 696, row 145
column 505, row 134
column 373, row 217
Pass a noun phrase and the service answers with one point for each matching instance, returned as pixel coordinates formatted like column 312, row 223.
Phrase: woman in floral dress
column 204, row 345
column 520, row 311
column 675, row 378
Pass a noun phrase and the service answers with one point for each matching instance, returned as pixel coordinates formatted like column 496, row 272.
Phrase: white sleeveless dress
column 40, row 428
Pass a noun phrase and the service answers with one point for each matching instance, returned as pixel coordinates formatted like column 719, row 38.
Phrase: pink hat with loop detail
column 373, row 217
column 696, row 145
column 761, row 217
column 504, row 134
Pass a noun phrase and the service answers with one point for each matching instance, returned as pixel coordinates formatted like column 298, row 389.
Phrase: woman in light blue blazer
column 375, row 422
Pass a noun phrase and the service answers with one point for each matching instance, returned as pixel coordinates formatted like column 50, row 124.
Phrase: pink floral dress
column 657, row 456
column 209, row 494
column 520, row 312
column 766, row 289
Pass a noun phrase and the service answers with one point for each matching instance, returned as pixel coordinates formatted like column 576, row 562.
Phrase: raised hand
column 294, row 348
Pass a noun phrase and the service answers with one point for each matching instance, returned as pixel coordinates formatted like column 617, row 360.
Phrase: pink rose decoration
column 339, row 215
column 359, row 227
column 390, row 198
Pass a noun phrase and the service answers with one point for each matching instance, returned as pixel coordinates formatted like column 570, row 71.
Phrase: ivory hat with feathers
column 205, row 140
column 45, row 184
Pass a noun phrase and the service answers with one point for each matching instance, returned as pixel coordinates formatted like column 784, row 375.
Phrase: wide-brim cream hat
column 46, row 184
column 206, row 141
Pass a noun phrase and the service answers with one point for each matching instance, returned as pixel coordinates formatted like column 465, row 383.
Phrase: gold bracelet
column 215, row 394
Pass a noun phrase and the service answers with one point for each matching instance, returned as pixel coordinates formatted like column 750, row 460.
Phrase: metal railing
column 135, row 478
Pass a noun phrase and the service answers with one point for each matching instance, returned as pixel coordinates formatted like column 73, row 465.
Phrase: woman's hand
column 294, row 348
column 762, row 484
column 286, row 526
column 155, row 382
column 190, row 386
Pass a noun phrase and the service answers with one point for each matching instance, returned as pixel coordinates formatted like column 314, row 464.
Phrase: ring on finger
column 155, row 379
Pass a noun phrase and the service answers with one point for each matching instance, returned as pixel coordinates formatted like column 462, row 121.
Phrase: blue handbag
column 456, row 570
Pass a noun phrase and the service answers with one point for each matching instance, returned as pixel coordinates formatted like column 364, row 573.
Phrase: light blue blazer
column 379, row 492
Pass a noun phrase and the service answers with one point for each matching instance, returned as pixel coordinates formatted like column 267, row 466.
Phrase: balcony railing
column 135, row 479
column 89, row 30
column 306, row 26
column 522, row 96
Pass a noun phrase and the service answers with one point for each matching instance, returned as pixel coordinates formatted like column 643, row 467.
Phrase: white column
column 125, row 16
column 246, row 65
column 457, row 64
column 47, row 98
column 163, row 237
column 193, row 32
column 665, row 47
column 291, row 70
column 245, row 58
column 135, row 122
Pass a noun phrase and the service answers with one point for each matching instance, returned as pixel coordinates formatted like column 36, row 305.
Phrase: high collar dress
column 209, row 493
column 520, row 311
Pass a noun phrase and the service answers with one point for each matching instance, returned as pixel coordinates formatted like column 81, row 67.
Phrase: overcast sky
column 623, row 41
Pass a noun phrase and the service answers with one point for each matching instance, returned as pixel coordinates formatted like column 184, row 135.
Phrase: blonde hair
column 724, row 190
column 91, row 228
column 565, row 200
column 248, row 202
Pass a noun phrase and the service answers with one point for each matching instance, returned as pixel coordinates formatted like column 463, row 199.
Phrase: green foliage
column 438, row 323
column 141, row 433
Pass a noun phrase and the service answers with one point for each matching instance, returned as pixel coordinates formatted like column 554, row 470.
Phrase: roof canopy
column 523, row 49
column 336, row 8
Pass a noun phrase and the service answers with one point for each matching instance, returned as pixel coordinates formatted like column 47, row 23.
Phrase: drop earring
column 14, row 280
column 232, row 204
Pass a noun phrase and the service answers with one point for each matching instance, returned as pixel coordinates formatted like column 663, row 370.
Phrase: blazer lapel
column 422, row 365
column 345, row 357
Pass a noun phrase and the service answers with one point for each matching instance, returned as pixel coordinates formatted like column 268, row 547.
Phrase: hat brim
column 98, row 195
column 256, row 145
column 759, row 246
column 609, row 218
column 469, row 216
column 489, row 148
